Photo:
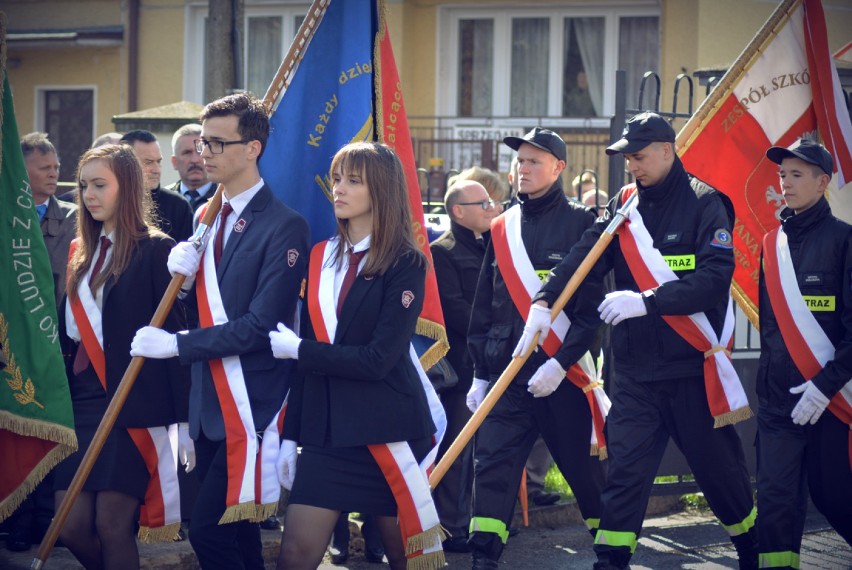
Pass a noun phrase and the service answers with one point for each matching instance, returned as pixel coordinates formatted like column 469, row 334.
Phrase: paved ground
column 686, row 540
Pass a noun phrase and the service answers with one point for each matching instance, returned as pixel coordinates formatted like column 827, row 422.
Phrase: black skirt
column 346, row 479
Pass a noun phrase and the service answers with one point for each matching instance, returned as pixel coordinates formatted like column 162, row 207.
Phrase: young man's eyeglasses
column 484, row 204
column 216, row 147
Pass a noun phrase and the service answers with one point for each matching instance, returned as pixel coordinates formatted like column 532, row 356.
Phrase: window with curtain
column 530, row 59
column 638, row 52
column 476, row 67
column 263, row 55
column 582, row 68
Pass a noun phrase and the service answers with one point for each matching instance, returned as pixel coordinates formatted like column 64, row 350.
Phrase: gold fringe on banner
column 426, row 539
column 150, row 535
column 440, row 347
column 732, row 417
column 241, row 512
column 264, row 511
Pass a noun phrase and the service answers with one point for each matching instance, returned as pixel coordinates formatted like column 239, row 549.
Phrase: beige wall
column 161, row 47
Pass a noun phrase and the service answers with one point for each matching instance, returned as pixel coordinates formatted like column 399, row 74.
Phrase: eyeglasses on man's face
column 216, row 147
column 484, row 204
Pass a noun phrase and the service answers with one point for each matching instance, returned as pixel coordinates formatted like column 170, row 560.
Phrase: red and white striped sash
column 806, row 341
column 159, row 515
column 725, row 395
column 409, row 481
column 253, row 489
column 523, row 283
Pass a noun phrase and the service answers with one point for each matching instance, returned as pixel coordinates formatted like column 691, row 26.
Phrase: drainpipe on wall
column 132, row 55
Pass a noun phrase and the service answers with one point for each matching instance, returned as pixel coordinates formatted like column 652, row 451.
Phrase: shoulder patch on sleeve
column 722, row 239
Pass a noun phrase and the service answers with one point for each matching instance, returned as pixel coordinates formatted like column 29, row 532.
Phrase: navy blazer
column 260, row 275
column 363, row 388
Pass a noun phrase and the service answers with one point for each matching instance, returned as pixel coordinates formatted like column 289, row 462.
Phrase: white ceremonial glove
column 152, row 342
column 546, row 379
column 186, row 447
column 620, row 305
column 476, row 394
column 285, row 465
column 285, row 343
column 538, row 321
column 184, row 259
column 810, row 406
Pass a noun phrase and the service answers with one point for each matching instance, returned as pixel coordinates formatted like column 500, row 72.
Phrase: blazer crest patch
column 292, row 257
column 407, row 298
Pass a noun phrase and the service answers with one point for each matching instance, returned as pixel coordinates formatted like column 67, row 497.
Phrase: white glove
column 476, row 394
column 186, row 447
column 152, row 342
column 546, row 379
column 538, row 321
column 810, row 406
column 184, row 259
column 285, row 465
column 285, row 343
column 620, row 305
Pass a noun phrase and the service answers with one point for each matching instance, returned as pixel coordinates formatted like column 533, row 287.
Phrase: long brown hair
column 391, row 236
column 132, row 217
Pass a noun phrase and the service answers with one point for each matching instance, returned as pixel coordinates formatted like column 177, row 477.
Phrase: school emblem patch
column 722, row 239
column 240, row 225
column 407, row 298
column 292, row 257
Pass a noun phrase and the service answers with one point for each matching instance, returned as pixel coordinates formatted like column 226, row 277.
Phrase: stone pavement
column 555, row 540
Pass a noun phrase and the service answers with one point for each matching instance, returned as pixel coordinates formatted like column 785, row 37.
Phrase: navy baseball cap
column 809, row 151
column 544, row 139
column 640, row 131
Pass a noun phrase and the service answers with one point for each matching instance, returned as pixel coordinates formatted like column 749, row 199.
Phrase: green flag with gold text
column 36, row 421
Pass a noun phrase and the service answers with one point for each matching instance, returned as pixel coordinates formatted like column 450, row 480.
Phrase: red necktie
column 349, row 278
column 81, row 359
column 220, row 233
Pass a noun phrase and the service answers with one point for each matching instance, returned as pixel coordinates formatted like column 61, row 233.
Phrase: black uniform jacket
column 550, row 226
column 457, row 256
column 174, row 214
column 363, row 388
column 685, row 217
column 161, row 392
column 821, row 249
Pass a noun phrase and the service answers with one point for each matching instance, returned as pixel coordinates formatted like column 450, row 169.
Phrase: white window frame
column 39, row 93
column 447, row 36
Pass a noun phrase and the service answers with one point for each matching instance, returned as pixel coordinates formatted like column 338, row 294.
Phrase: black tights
column 307, row 531
column 101, row 530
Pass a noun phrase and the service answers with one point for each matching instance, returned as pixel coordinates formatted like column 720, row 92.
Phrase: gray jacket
column 59, row 227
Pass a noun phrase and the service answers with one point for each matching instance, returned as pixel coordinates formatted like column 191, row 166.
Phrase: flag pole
column 517, row 362
column 199, row 240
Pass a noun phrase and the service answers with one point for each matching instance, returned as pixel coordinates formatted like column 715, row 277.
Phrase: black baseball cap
column 640, row 131
column 809, row 151
column 544, row 139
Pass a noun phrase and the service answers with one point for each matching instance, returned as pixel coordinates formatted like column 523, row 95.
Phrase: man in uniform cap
column 673, row 264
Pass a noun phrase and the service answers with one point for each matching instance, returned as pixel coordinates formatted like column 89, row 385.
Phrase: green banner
column 36, row 421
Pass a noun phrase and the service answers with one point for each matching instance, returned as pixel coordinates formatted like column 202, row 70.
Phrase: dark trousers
column 642, row 418
column 503, row 444
column 791, row 459
column 452, row 495
column 226, row 546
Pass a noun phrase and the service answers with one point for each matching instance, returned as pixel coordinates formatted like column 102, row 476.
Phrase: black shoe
column 374, row 556
column 604, row 566
column 543, row 498
column 339, row 556
column 513, row 531
column 272, row 523
column 456, row 544
column 17, row 543
column 484, row 564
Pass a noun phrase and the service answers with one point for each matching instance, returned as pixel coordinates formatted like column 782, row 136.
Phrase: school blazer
column 363, row 388
column 260, row 275
column 160, row 394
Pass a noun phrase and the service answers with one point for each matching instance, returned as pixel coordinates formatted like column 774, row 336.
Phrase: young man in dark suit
column 248, row 280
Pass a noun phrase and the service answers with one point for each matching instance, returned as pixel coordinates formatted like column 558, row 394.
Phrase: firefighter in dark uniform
column 658, row 388
column 537, row 401
column 798, row 446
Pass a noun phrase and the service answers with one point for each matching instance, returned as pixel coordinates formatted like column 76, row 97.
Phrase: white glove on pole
column 285, row 343
column 538, row 321
column 184, row 259
column 152, row 342
column 546, row 379
column 476, row 394
column 810, row 406
column 620, row 305
column 285, row 465
column 186, row 447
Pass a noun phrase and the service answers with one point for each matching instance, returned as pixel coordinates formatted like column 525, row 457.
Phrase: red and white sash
column 253, row 489
column 523, row 283
column 725, row 395
column 159, row 514
column 409, row 481
column 806, row 341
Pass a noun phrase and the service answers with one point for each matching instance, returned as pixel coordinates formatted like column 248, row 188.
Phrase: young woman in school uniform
column 358, row 408
column 116, row 277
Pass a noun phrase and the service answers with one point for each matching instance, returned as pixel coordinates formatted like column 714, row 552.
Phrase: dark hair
column 138, row 135
column 133, row 217
column 252, row 114
column 36, row 142
column 391, row 236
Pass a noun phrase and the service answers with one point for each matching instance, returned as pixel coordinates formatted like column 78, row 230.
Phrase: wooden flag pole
column 199, row 239
column 517, row 362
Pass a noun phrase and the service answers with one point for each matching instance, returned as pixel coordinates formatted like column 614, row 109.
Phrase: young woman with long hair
column 359, row 407
column 116, row 277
